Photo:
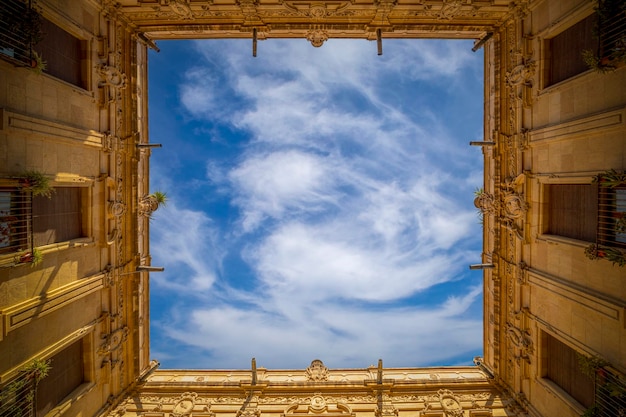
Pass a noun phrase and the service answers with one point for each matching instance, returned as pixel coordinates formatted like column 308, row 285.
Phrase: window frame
column 542, row 46
column 551, row 385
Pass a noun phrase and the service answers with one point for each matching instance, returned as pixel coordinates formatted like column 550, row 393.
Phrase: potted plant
column 34, row 257
column 37, row 63
column 616, row 256
column 37, row 183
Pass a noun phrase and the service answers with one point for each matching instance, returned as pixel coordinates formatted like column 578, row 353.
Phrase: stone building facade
column 74, row 265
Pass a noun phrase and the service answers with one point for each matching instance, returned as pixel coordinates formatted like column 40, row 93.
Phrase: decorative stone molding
column 315, row 10
column 521, row 340
column 317, row 371
column 148, row 205
column 450, row 403
column 116, row 208
column 113, row 340
column 181, row 9
column 317, row 37
column 184, row 405
column 318, row 404
column 250, row 12
column 112, row 76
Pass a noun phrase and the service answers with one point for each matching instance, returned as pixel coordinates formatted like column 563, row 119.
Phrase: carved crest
column 317, row 371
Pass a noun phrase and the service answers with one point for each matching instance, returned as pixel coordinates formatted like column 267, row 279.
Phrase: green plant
column 37, row 183
column 593, row 62
column 616, row 256
column 591, row 411
column 589, row 365
column 37, row 258
column 38, row 369
column 610, row 178
column 160, row 198
column 37, row 63
column 16, row 398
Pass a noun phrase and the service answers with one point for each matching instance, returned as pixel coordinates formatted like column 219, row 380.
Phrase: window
column 562, row 368
column 565, row 51
column 572, row 210
column 63, row 54
column 59, row 218
column 66, row 374
column 15, row 209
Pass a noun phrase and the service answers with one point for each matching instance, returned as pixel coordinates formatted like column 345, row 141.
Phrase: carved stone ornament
column 249, row 412
column 450, row 403
column 514, row 206
column 113, row 340
column 521, row 74
column 116, row 208
column 316, row 10
column 181, row 8
column 317, row 371
column 317, row 37
column 318, row 404
column 486, row 203
column 184, row 405
column 148, row 205
column 112, row 76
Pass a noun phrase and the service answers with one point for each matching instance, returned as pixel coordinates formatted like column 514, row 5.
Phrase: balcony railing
column 612, row 30
column 20, row 30
column 612, row 216
column 16, row 242
column 610, row 394
column 17, row 398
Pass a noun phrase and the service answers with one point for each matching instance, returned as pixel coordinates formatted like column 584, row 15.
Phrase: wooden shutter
column 66, row 374
column 566, row 49
column 57, row 219
column 62, row 53
column 563, row 370
column 573, row 210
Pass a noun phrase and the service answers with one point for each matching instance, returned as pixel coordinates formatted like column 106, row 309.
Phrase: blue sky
column 320, row 203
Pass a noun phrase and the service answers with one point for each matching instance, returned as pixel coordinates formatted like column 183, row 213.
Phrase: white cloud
column 187, row 242
column 267, row 185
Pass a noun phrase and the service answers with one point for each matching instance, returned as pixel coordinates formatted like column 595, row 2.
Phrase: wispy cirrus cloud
column 337, row 200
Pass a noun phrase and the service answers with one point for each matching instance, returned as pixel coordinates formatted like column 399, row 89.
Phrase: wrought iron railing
column 612, row 30
column 16, row 242
column 610, row 394
column 612, row 216
column 20, row 30
column 17, row 398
